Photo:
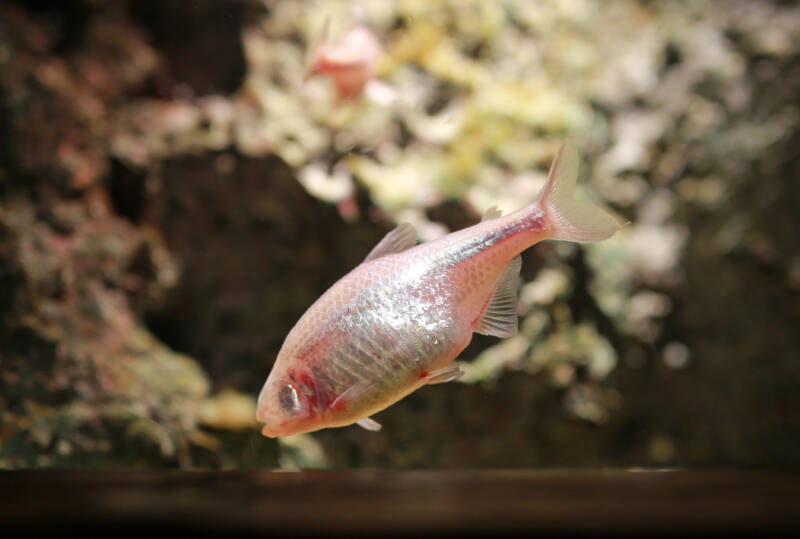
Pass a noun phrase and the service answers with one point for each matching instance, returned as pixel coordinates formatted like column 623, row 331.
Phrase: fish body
column 396, row 322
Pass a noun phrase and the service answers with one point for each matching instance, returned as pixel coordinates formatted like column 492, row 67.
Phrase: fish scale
column 395, row 323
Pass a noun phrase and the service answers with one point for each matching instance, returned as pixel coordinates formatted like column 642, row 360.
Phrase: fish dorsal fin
column 491, row 213
column 396, row 241
column 369, row 424
column 500, row 318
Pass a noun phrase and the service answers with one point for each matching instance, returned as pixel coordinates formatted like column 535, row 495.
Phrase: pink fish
column 396, row 322
column 350, row 64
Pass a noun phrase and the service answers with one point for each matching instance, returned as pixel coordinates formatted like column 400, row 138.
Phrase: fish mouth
column 269, row 428
column 261, row 417
column 272, row 427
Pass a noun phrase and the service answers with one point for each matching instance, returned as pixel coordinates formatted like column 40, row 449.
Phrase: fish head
column 286, row 406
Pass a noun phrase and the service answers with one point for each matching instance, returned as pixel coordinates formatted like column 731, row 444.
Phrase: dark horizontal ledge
column 402, row 502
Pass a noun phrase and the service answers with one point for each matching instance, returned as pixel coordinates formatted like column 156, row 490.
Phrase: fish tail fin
column 570, row 219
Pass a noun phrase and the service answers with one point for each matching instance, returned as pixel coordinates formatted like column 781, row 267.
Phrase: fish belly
column 387, row 341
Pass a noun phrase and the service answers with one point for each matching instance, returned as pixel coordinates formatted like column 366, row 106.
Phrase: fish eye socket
column 289, row 401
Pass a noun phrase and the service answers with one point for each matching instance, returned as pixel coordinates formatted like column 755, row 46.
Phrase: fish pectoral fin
column 369, row 424
column 448, row 373
column 352, row 393
column 500, row 318
column 396, row 241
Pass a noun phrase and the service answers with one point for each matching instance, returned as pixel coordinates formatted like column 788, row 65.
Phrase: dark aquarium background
column 173, row 197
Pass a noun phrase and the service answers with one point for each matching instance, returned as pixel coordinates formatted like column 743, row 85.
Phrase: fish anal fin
column 500, row 317
column 396, row 241
column 369, row 424
column 448, row 373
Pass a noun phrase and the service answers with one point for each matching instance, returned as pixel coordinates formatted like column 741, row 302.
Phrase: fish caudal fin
column 571, row 219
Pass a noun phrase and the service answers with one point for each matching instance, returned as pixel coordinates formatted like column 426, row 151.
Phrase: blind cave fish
column 398, row 320
column 350, row 64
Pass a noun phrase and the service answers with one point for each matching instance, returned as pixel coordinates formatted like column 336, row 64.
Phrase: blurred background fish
column 350, row 63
